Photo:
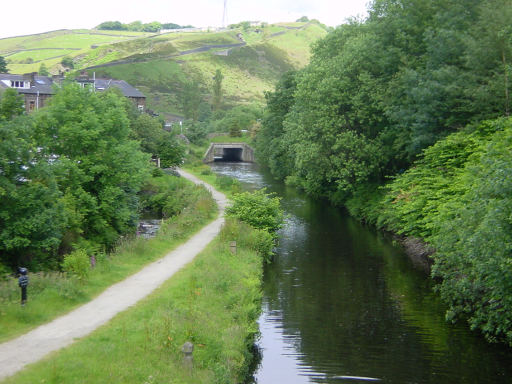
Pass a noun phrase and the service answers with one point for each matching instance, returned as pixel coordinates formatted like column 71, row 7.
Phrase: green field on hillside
column 25, row 53
column 161, row 66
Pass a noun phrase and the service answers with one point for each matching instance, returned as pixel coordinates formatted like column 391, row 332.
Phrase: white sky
column 35, row 16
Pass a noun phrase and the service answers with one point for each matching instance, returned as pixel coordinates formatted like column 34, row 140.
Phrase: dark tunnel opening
column 231, row 154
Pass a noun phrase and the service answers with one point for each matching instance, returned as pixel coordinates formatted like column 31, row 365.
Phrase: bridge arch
column 229, row 152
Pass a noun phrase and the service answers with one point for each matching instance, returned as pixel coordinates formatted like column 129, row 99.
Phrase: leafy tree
column 111, row 25
column 102, row 169
column 234, row 128
column 43, row 71
column 149, row 132
column 489, row 55
column 303, row 19
column 11, row 104
column 32, row 218
column 154, row 26
column 68, row 62
column 171, row 153
column 3, row 65
column 271, row 146
column 134, row 26
column 195, row 131
column 171, row 26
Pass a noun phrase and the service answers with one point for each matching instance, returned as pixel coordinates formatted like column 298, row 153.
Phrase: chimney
column 30, row 77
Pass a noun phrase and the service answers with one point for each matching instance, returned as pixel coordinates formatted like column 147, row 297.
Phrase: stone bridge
column 229, row 152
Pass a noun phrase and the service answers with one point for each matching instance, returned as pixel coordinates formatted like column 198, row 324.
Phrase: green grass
column 297, row 43
column 248, row 72
column 81, row 40
column 213, row 302
column 53, row 294
column 43, row 54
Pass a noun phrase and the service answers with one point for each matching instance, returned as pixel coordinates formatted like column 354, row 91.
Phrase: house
column 38, row 89
column 126, row 89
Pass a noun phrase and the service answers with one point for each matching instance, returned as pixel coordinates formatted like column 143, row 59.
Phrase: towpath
column 61, row 332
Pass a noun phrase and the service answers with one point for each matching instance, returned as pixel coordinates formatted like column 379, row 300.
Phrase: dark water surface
column 341, row 301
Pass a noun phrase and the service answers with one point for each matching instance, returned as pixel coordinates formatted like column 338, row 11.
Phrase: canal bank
column 341, row 300
column 213, row 303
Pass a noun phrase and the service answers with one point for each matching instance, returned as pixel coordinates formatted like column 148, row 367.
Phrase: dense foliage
column 258, row 209
column 3, row 65
column 402, row 95
column 71, row 173
column 377, row 92
column 138, row 26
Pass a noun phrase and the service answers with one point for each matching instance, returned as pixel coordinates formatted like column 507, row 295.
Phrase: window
column 17, row 84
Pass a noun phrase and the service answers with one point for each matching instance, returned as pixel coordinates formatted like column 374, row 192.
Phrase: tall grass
column 52, row 294
column 213, row 303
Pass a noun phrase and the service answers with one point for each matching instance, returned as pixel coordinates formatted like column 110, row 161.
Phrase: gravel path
column 63, row 331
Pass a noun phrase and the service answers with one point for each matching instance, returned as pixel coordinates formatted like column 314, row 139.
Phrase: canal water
column 343, row 304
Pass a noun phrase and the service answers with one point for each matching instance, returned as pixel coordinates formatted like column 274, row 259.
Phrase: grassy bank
column 53, row 294
column 214, row 303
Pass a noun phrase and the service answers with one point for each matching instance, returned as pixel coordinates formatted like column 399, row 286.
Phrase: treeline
column 138, row 26
column 387, row 120
column 70, row 174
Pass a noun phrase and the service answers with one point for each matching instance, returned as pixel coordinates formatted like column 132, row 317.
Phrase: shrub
column 77, row 264
column 258, row 209
column 224, row 182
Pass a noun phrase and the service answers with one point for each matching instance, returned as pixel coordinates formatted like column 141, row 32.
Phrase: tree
column 171, row 152
column 68, row 62
column 111, row 25
column 217, row 89
column 43, row 71
column 11, row 104
column 3, row 65
column 234, row 128
column 196, row 131
column 32, row 215
column 271, row 146
column 102, row 168
column 148, row 131
column 154, row 26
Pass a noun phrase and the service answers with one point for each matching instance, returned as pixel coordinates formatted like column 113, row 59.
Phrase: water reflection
column 340, row 300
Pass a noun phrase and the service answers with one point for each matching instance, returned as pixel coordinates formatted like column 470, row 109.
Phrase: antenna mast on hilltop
column 225, row 14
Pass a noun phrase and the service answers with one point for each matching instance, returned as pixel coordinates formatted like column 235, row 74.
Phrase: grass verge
column 53, row 294
column 214, row 303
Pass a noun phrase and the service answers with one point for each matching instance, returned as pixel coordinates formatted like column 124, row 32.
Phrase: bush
column 77, row 264
column 224, row 182
column 258, row 209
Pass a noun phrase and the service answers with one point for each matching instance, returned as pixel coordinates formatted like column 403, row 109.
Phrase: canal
column 343, row 304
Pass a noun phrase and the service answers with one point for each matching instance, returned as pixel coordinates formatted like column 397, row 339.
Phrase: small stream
column 343, row 304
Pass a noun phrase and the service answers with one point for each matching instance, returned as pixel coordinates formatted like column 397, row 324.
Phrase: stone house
column 38, row 89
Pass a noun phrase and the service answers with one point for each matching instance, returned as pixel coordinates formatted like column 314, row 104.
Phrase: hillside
column 26, row 53
column 164, row 65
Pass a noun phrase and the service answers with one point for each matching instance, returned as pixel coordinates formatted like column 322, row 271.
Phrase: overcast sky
column 34, row 16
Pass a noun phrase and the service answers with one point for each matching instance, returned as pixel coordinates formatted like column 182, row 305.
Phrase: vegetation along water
column 403, row 118
column 342, row 299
